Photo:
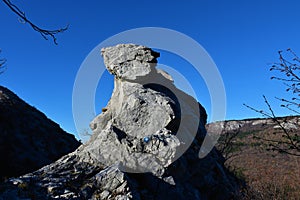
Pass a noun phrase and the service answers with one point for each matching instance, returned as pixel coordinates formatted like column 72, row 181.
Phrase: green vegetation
column 239, row 172
column 241, row 135
column 23, row 186
column 236, row 147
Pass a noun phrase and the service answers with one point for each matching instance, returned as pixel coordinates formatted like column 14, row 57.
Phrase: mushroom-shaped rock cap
column 129, row 61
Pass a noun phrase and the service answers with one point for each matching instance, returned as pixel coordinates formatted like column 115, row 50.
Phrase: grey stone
column 129, row 61
column 169, row 180
column 104, row 194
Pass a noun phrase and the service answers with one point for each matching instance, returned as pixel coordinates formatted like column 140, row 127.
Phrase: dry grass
column 267, row 174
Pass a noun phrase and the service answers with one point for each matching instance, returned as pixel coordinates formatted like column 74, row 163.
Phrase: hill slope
column 28, row 139
column 268, row 174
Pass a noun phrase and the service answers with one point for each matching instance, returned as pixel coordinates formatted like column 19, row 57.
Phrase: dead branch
column 2, row 64
column 22, row 17
column 288, row 144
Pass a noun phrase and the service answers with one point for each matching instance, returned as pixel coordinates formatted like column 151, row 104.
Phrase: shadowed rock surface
column 148, row 126
column 28, row 139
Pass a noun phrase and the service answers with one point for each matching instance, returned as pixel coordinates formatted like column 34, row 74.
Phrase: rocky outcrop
column 145, row 143
column 28, row 139
column 255, row 124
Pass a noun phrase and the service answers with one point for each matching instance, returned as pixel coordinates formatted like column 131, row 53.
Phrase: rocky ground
column 145, row 144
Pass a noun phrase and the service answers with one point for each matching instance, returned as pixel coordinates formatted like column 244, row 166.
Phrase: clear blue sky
column 242, row 37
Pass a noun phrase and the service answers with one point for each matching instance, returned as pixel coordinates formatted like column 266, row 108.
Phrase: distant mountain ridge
column 28, row 139
column 288, row 122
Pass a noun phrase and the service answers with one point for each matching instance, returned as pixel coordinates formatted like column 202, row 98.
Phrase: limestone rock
column 144, row 146
column 129, row 61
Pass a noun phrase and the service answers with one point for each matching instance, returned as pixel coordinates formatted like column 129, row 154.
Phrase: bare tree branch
column 2, row 64
column 45, row 33
column 287, row 144
column 289, row 73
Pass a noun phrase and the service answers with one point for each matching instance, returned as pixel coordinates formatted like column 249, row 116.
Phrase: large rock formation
column 28, row 139
column 144, row 145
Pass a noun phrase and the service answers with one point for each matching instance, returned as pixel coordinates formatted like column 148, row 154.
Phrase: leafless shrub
column 289, row 74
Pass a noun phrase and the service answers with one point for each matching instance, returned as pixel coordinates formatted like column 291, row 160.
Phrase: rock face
column 144, row 145
column 28, row 139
